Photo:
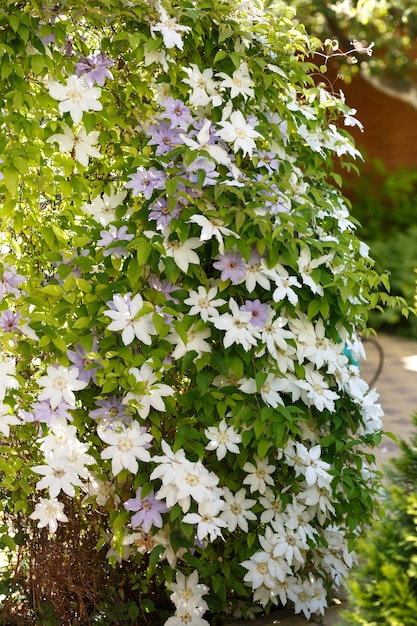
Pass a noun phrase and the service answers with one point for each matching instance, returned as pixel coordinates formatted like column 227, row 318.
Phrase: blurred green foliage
column 385, row 204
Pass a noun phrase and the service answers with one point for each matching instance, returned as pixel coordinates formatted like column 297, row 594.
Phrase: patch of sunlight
column 410, row 362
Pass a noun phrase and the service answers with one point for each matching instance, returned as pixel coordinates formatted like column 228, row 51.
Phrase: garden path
column 397, row 386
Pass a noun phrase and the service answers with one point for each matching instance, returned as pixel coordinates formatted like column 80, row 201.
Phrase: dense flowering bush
column 179, row 279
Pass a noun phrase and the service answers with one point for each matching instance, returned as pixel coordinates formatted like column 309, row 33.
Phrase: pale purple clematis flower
column 112, row 235
column 159, row 211
column 110, row 412
column 9, row 321
column 268, row 160
column 148, row 511
column 47, row 39
column 177, row 113
column 203, row 164
column 164, row 137
column 44, row 412
column 146, row 181
column 232, row 266
column 164, row 286
column 78, row 357
column 94, row 68
column 259, row 312
column 10, row 281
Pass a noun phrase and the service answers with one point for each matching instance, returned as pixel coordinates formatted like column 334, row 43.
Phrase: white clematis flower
column 239, row 132
column 49, row 513
column 317, row 390
column 223, row 439
column 126, row 445
column 258, row 474
column 213, row 228
column 203, row 136
column 169, row 29
column 102, row 207
column 236, row 511
column 183, row 479
column 75, row 97
column 7, row 375
column 240, row 83
column 270, row 389
column 203, row 302
column 58, row 476
column 195, row 341
column 82, row 143
column 186, row 588
column 189, row 614
column 284, row 283
column 183, row 253
column 152, row 394
column 306, row 265
column 238, row 327
column 7, row 419
column 307, row 462
column 205, row 89
column 124, row 316
column 59, row 384
column 208, row 522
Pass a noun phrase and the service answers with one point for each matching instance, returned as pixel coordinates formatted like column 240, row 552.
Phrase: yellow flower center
column 125, row 444
column 74, row 96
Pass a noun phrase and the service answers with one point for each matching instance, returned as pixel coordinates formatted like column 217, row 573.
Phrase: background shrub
column 383, row 587
column 385, row 204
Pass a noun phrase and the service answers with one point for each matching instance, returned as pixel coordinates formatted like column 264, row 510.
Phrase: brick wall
column 390, row 125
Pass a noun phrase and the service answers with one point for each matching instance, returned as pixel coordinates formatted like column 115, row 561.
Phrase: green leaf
column 220, row 55
column 11, row 179
column 327, row 441
column 83, row 285
column 246, row 438
column 48, row 235
column 209, row 569
column 44, row 341
column 313, row 308
column 60, row 234
column 143, row 251
column 21, row 505
column 133, row 273
column 8, row 542
column 171, row 186
column 263, row 447
column 161, row 327
column 258, row 428
column 147, row 606
column 37, row 63
column 81, row 322
column 60, row 344
column 225, row 32
column 52, row 290
column 14, row 22
column 120, row 520
column 260, row 378
column 203, row 380
column 156, row 554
